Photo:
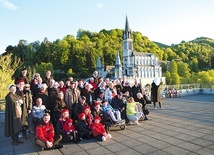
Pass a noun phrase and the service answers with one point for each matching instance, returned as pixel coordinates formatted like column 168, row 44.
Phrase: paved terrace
column 186, row 126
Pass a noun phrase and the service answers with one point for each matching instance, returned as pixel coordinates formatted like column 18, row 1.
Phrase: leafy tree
column 170, row 54
column 173, row 67
column 168, row 77
column 175, row 78
column 194, row 65
column 204, row 77
column 8, row 66
column 183, row 69
column 43, row 67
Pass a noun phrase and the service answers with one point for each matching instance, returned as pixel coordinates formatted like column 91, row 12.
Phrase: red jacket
column 68, row 128
column 45, row 132
column 98, row 129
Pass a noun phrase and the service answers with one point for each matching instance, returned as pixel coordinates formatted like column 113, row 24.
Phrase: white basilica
column 144, row 67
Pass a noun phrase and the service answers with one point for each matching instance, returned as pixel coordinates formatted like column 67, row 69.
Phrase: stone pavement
column 185, row 127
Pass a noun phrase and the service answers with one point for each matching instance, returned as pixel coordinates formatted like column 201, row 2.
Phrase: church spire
column 117, row 62
column 99, row 65
column 127, row 31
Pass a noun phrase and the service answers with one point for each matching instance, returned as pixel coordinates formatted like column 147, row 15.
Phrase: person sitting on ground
column 66, row 128
column 97, row 110
column 108, row 110
column 45, row 135
column 141, row 100
column 82, row 127
column 88, row 115
column 133, row 112
column 98, row 130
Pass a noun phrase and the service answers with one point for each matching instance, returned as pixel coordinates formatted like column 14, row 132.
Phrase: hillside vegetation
column 187, row 62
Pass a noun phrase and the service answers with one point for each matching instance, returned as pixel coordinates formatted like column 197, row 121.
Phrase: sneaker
column 155, row 108
column 103, row 138
column 59, row 146
column 162, row 108
column 145, row 119
column 122, row 121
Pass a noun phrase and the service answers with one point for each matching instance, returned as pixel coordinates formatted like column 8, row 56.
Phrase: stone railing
column 170, row 91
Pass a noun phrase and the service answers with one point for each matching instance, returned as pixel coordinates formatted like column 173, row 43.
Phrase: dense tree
column 43, row 67
column 168, row 77
column 8, row 66
column 173, row 67
column 183, row 69
column 175, row 78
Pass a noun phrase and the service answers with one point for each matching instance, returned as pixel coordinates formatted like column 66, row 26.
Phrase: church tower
column 100, row 68
column 127, row 48
column 118, row 67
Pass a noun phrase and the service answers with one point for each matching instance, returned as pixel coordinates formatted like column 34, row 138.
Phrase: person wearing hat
column 82, row 127
column 66, row 128
column 25, row 95
column 13, row 114
column 98, row 130
column 88, row 115
column 155, row 93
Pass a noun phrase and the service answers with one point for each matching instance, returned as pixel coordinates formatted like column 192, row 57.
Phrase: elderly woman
column 13, row 114
column 133, row 112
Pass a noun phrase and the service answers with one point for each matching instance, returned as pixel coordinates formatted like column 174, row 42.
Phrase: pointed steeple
column 127, row 32
column 117, row 62
column 99, row 65
column 118, row 67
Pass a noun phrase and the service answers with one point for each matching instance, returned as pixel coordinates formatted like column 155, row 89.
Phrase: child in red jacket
column 68, row 126
column 45, row 135
column 98, row 130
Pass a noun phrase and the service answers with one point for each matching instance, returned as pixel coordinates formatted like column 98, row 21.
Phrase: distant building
column 140, row 66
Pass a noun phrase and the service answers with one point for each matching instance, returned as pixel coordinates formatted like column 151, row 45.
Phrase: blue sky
column 165, row 21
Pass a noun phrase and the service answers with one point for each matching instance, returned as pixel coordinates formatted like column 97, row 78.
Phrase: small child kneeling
column 99, row 131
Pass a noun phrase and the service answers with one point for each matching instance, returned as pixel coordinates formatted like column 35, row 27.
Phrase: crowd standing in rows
column 69, row 110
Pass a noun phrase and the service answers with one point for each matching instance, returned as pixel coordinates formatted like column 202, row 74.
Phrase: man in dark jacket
column 118, row 104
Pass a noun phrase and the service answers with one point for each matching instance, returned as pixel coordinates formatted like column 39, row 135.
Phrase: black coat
column 78, row 108
column 135, row 90
column 82, row 128
column 155, row 93
column 119, row 105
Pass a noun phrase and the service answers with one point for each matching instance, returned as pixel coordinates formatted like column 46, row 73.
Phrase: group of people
column 69, row 110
